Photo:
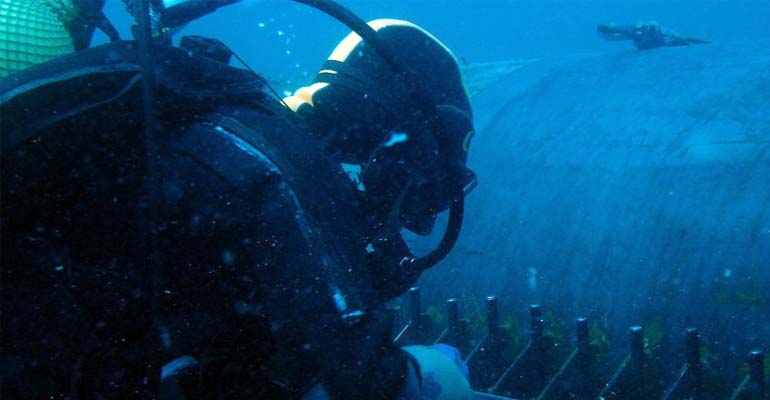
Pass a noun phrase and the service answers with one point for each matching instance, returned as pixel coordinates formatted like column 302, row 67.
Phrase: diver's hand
column 444, row 375
column 434, row 373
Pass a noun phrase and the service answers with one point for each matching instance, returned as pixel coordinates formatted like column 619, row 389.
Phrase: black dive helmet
column 409, row 129
column 450, row 124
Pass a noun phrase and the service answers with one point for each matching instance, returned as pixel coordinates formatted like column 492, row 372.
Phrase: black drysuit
column 233, row 239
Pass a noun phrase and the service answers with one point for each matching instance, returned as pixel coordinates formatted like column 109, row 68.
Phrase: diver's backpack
column 95, row 95
column 73, row 126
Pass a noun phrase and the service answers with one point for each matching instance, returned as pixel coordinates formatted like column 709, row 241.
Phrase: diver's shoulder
column 222, row 151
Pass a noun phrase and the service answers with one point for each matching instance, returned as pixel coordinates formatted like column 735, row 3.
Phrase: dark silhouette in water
column 647, row 35
column 227, row 255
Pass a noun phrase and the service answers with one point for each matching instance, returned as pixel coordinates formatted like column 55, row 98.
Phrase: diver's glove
column 432, row 373
column 442, row 374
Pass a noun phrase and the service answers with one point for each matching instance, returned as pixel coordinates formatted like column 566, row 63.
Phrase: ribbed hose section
column 33, row 32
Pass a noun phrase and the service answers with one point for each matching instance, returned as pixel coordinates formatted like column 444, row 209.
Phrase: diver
column 646, row 35
column 174, row 230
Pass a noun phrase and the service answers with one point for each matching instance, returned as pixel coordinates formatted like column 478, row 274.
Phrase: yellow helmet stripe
column 304, row 95
column 346, row 46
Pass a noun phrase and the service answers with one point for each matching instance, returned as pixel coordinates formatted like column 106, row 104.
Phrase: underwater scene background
column 629, row 187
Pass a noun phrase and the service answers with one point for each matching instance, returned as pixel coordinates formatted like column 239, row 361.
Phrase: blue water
column 280, row 38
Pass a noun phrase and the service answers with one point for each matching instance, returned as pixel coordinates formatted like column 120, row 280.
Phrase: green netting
column 32, row 32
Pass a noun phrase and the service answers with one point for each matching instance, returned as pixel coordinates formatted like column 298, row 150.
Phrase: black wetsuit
column 239, row 243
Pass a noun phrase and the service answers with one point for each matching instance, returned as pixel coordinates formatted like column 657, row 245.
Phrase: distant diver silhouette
column 646, row 35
